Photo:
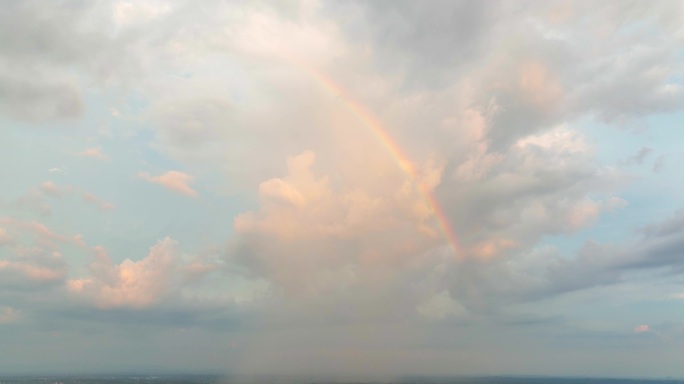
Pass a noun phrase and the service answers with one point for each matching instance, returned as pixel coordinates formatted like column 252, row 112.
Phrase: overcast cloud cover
column 189, row 186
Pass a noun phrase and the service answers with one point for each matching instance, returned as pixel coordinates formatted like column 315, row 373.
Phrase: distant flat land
column 214, row 379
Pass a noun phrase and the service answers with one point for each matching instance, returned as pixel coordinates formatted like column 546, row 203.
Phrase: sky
column 343, row 188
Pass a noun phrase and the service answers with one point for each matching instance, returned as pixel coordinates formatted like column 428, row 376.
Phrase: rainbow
column 372, row 123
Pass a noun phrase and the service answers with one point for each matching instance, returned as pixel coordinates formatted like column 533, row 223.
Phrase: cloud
column 639, row 157
column 125, row 12
column 670, row 226
column 487, row 100
column 311, row 238
column 556, row 74
column 543, row 273
column 463, row 26
column 43, row 73
column 172, row 180
column 61, row 169
column 39, row 98
column 93, row 153
column 441, row 306
column 515, row 168
column 540, row 185
column 137, row 284
column 501, row 202
column 302, row 193
column 34, row 75
column 37, row 199
column 641, row 328
column 659, row 163
column 5, row 238
column 96, row 201
column 553, row 77
column 34, row 201
column 40, row 232
column 520, row 173
column 33, row 255
column 9, row 315
column 49, row 188
column 30, row 271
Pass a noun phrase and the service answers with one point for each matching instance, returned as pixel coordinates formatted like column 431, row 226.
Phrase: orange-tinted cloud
column 172, row 180
column 137, row 284
column 538, row 85
column 96, row 201
column 93, row 153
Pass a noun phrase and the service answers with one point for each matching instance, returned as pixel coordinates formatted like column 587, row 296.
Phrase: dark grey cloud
column 218, row 316
column 422, row 41
column 41, row 44
column 490, row 286
column 538, row 187
column 50, row 52
column 639, row 157
column 56, row 33
column 668, row 227
column 618, row 66
column 39, row 97
column 659, row 163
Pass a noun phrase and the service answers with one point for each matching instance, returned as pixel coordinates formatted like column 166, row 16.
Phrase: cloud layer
column 538, row 216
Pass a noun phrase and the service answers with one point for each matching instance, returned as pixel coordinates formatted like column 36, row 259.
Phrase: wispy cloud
column 9, row 315
column 93, row 153
column 639, row 157
column 173, row 181
column 659, row 163
column 96, row 201
column 51, row 189
column 61, row 169
column 33, row 257
column 39, row 198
